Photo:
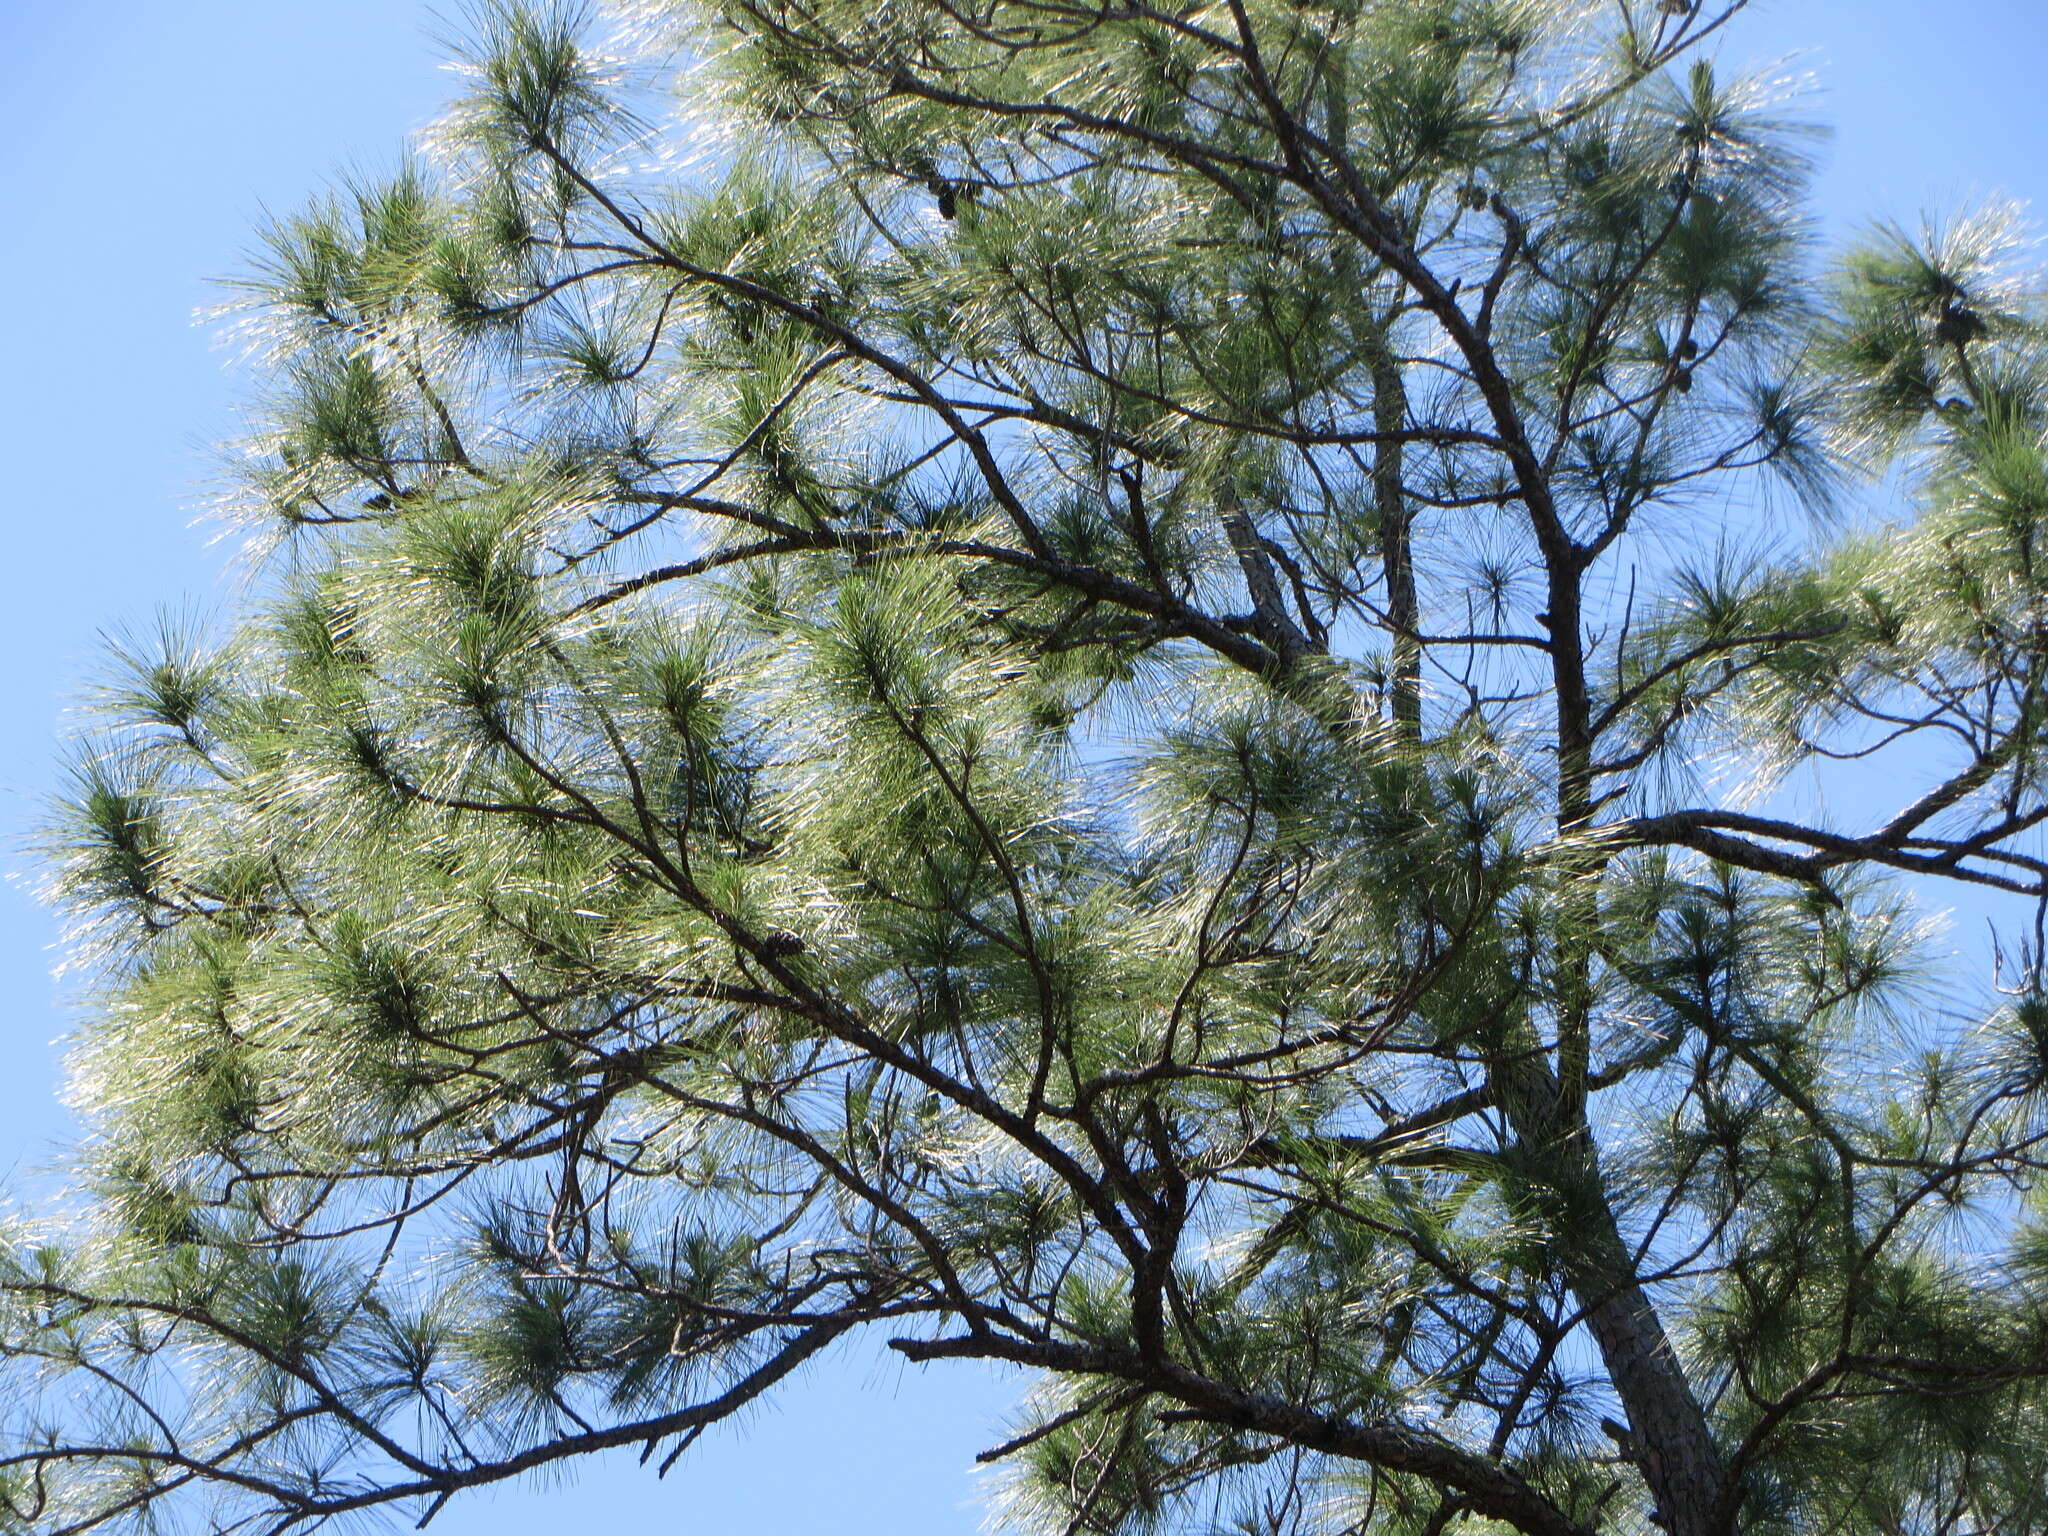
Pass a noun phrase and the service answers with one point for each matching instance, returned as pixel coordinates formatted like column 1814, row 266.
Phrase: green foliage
column 1104, row 697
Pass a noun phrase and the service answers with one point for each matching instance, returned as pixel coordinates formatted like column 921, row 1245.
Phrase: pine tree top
column 1104, row 688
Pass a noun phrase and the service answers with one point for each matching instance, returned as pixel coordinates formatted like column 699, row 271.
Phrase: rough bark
column 1668, row 1436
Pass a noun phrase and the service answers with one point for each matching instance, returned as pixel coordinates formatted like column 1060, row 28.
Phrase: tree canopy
column 1100, row 686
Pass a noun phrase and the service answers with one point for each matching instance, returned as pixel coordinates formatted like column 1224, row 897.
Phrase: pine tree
column 1106, row 688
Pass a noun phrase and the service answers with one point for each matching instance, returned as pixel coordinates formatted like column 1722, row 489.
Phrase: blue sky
column 145, row 138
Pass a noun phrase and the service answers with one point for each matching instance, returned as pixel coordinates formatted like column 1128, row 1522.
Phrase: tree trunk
column 1668, row 1433
column 1397, row 561
column 1668, row 1437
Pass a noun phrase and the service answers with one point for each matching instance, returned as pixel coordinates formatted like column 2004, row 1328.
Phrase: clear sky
column 142, row 141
